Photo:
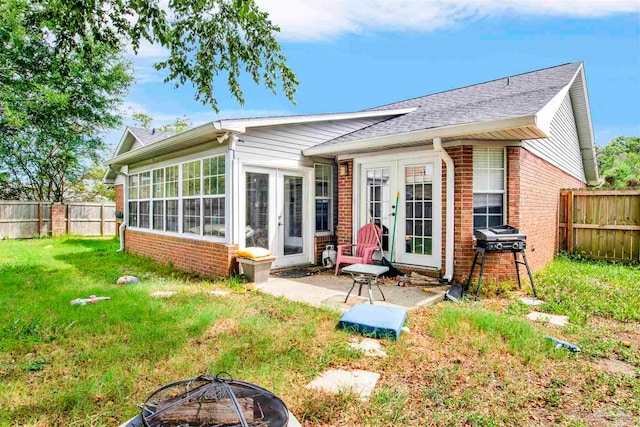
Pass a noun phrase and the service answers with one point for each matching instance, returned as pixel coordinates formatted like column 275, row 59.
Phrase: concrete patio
column 330, row 291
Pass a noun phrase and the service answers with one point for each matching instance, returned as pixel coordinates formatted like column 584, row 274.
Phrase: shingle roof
column 147, row 137
column 519, row 95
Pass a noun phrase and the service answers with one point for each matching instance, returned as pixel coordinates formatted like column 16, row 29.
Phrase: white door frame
column 276, row 210
column 396, row 163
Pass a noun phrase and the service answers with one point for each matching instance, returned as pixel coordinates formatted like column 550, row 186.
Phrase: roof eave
column 241, row 125
column 186, row 139
column 425, row 134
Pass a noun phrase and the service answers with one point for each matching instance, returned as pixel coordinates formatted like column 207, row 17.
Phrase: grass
column 475, row 363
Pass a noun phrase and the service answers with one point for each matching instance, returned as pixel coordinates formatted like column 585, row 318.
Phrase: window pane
column 158, row 215
column 214, row 216
column 145, row 185
column 480, row 203
column 144, row 215
column 191, row 179
column 191, row 216
column 133, row 214
column 171, row 181
column 158, row 183
column 172, row 215
column 495, row 220
column 257, row 216
column 494, row 203
column 323, row 196
column 496, row 180
column 479, row 221
column 133, row 186
column 214, row 175
column 322, row 215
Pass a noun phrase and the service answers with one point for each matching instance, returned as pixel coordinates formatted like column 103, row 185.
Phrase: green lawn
column 473, row 363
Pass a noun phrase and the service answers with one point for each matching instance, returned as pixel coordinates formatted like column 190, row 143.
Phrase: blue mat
column 375, row 321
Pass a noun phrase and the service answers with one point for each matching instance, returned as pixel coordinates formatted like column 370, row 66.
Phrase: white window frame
column 503, row 192
column 330, row 230
column 179, row 197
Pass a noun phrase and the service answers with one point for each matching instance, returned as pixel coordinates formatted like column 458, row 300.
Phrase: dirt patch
column 614, row 366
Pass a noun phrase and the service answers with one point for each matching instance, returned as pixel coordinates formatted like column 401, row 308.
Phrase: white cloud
column 147, row 50
column 309, row 20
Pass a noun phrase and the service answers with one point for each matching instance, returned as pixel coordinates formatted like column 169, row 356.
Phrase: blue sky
column 356, row 54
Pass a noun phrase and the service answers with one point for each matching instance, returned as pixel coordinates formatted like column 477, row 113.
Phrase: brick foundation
column 202, row 257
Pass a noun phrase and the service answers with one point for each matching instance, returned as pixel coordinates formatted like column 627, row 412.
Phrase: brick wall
column 58, row 220
column 540, row 184
column 119, row 205
column 345, row 205
column 320, row 244
column 202, row 257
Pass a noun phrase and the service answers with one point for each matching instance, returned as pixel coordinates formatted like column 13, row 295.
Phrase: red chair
column 368, row 243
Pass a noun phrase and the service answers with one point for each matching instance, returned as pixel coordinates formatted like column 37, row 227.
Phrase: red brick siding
column 119, row 204
column 540, row 184
column 202, row 257
column 345, row 205
column 320, row 244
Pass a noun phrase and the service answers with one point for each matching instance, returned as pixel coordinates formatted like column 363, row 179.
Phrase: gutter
column 437, row 146
column 422, row 135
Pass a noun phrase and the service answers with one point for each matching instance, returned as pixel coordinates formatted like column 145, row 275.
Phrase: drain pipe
column 124, row 217
column 448, row 271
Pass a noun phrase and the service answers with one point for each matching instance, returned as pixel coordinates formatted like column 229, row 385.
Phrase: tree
column 55, row 104
column 619, row 162
column 180, row 124
column 205, row 38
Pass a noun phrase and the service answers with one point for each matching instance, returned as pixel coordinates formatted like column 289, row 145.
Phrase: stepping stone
column 218, row 293
column 336, row 380
column 162, row 294
column 370, row 347
column 552, row 319
column 535, row 302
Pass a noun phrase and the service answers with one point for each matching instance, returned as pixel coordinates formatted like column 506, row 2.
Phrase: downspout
column 123, row 225
column 448, row 271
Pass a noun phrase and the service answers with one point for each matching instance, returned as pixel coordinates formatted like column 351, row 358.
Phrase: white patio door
column 417, row 182
column 275, row 208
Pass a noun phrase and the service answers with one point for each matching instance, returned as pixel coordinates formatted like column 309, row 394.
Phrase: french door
column 275, row 208
column 417, row 210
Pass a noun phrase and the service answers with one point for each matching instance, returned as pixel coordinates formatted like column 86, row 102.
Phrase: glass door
column 379, row 198
column 292, row 211
column 274, row 211
column 419, row 213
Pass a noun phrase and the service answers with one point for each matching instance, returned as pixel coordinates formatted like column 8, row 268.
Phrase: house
column 485, row 154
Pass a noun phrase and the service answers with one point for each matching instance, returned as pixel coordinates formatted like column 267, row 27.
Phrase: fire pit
column 208, row 401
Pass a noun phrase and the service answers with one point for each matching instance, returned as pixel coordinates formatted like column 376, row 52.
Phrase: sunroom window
column 488, row 187
column 154, row 198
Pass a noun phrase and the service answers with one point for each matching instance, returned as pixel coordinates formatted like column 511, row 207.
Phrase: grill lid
column 499, row 233
column 208, row 401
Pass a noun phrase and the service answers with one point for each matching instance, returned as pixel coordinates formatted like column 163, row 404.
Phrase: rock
column 334, row 381
column 124, row 280
column 370, row 347
column 162, row 294
column 552, row 319
column 531, row 301
column 406, row 329
column 218, row 293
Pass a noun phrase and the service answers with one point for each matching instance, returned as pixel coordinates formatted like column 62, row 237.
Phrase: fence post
column 68, row 210
column 102, row 219
column 570, row 221
column 40, row 218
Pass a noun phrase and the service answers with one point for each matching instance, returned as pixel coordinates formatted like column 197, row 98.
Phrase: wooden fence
column 23, row 220
column 600, row 223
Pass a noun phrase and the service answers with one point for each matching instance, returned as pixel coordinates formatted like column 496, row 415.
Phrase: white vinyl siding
column 489, row 186
column 286, row 142
column 562, row 148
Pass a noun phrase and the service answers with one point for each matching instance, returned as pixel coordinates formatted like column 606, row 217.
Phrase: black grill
column 502, row 238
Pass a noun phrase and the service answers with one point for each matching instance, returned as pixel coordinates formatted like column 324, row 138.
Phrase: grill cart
column 499, row 239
